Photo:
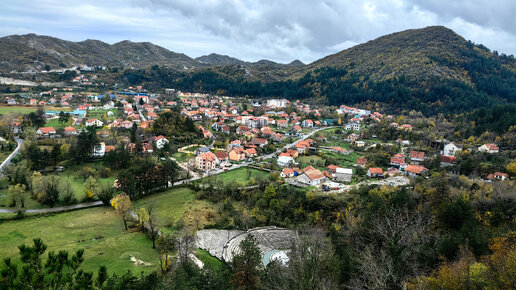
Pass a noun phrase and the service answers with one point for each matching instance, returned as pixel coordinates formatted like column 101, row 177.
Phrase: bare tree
column 392, row 249
column 184, row 245
column 166, row 244
column 153, row 223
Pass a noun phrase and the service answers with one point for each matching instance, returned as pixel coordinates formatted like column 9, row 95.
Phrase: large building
column 206, row 161
column 277, row 103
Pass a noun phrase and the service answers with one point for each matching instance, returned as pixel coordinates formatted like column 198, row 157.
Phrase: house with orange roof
column 70, row 131
column 206, row 161
column 302, row 146
column 489, row 148
column 374, row 172
column 417, row 156
column 361, row 161
column 415, row 170
column 340, row 150
column 311, row 176
column 237, row 154
column 46, row 132
column 287, row 172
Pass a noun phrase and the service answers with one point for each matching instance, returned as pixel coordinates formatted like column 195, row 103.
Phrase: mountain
column 431, row 51
column 432, row 70
column 218, row 59
column 33, row 52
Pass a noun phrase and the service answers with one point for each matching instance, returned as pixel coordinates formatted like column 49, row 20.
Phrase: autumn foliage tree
column 122, row 204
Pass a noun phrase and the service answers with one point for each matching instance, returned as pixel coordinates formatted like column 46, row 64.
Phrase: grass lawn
column 182, row 157
column 99, row 231
column 178, row 203
column 98, row 114
column 72, row 173
column 56, row 124
column 343, row 160
column 239, row 175
column 208, row 259
column 26, row 110
column 314, row 160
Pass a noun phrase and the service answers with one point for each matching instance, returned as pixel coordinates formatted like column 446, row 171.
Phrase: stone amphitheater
column 223, row 244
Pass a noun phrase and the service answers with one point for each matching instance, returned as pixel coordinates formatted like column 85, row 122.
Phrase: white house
column 277, row 103
column 307, row 123
column 311, row 176
column 450, row 149
column 99, row 150
column 353, row 126
column 94, row 122
column 160, row 141
column 489, row 148
column 285, row 161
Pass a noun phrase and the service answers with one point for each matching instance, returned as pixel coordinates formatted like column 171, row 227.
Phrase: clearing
column 99, row 231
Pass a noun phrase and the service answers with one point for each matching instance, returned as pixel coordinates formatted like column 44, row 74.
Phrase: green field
column 240, row 175
column 56, row 124
column 72, row 173
column 342, row 160
column 98, row 114
column 175, row 204
column 99, row 231
column 182, row 157
column 26, row 110
column 313, row 160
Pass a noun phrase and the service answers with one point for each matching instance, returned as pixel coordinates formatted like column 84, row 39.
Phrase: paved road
column 142, row 116
column 98, row 203
column 7, row 161
column 55, row 209
column 303, row 137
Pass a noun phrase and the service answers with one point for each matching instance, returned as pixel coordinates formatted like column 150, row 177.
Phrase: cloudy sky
column 279, row 30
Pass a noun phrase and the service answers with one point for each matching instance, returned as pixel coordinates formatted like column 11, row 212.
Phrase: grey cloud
column 279, row 30
column 488, row 13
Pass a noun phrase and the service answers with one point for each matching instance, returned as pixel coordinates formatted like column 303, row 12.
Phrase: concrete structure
column 343, row 174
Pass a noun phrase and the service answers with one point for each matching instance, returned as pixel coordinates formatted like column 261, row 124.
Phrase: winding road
column 181, row 182
column 7, row 161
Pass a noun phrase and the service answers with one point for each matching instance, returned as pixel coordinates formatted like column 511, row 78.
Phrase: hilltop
column 31, row 52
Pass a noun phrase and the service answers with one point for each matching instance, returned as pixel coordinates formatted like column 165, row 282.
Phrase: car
column 225, row 169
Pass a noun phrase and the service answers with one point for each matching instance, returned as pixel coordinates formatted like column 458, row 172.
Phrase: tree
column 86, row 141
column 310, row 266
column 247, row 265
column 51, row 190
column 17, row 193
column 511, row 167
column 122, row 205
column 184, row 244
column 153, row 223
column 64, row 117
column 105, row 194
column 134, row 129
column 169, row 171
column 59, row 271
column 166, row 244
column 91, row 185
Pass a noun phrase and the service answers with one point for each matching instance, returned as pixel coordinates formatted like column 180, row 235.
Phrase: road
column 185, row 181
column 142, row 116
column 7, row 161
column 288, row 146
column 55, row 209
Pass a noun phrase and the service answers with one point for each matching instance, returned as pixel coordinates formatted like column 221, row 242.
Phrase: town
column 152, row 181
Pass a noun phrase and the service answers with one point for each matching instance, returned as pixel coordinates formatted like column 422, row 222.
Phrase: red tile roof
column 417, row 169
column 374, row 170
